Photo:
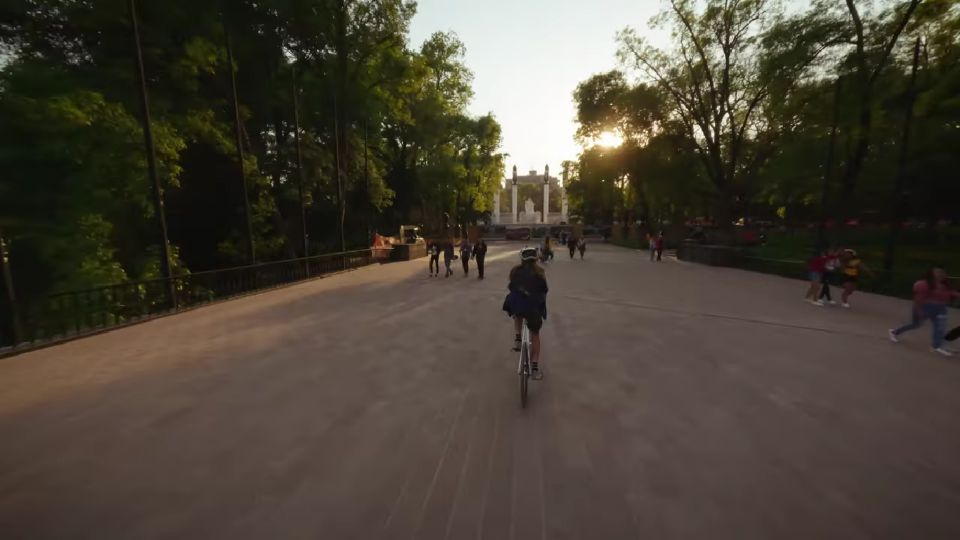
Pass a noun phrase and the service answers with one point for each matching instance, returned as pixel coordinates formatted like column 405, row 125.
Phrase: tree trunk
column 341, row 118
column 279, row 223
column 861, row 146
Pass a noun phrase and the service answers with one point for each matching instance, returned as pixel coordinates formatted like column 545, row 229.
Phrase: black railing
column 75, row 313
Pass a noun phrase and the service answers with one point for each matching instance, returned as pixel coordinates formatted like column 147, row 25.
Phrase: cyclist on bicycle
column 527, row 299
column 547, row 249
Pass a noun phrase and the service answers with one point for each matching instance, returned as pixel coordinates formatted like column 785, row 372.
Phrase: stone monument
column 529, row 215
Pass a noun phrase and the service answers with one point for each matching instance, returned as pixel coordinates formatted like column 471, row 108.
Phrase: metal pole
column 899, row 194
column 158, row 208
column 237, row 128
column 828, row 170
column 296, row 127
column 8, row 285
column 366, row 176
column 340, row 202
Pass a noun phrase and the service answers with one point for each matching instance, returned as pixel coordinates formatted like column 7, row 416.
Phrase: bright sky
column 527, row 57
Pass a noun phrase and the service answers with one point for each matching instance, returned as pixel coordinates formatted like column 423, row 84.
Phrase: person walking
column 448, row 257
column 816, row 267
column 480, row 253
column 659, row 247
column 466, row 251
column 572, row 246
column 582, row 246
column 652, row 245
column 826, row 279
column 931, row 296
column 852, row 266
column 434, row 251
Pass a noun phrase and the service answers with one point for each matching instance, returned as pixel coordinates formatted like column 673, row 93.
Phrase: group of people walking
column 575, row 245
column 932, row 295
column 829, row 266
column 468, row 252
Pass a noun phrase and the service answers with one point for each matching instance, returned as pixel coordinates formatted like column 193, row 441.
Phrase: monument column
column 546, row 193
column 513, row 199
column 495, row 214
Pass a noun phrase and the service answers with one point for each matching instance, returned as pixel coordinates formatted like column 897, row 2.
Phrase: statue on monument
column 529, row 214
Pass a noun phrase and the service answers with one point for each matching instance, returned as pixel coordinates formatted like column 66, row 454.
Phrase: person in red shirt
column 831, row 266
column 815, row 269
column 931, row 296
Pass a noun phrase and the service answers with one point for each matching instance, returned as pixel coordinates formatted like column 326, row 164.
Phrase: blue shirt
column 528, row 292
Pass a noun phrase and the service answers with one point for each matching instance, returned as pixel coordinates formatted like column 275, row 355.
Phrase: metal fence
column 70, row 314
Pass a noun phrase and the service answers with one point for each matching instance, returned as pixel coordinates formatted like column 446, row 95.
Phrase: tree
column 381, row 125
column 870, row 57
column 717, row 79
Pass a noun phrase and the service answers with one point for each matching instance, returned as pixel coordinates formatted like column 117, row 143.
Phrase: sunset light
column 609, row 139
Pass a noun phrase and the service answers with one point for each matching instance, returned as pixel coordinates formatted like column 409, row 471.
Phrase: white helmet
column 528, row 254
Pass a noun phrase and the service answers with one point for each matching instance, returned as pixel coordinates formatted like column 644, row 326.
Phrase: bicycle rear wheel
column 524, row 374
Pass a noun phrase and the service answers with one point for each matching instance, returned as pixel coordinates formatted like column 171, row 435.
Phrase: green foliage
column 75, row 198
column 734, row 118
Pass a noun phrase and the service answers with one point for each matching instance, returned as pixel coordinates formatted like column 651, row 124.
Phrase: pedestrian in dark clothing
column 434, row 251
column 660, row 247
column 466, row 251
column 480, row 253
column 448, row 257
column 831, row 266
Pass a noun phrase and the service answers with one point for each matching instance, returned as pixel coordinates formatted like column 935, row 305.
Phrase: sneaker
column 942, row 352
column 818, row 303
column 893, row 336
column 845, row 305
column 535, row 371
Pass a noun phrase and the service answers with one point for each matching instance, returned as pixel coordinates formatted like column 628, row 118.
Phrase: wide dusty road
column 680, row 402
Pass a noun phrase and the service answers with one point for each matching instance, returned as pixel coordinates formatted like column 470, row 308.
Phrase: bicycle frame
column 523, row 368
column 525, row 348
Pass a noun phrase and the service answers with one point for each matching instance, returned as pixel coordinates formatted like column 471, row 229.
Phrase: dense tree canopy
column 734, row 119
column 384, row 133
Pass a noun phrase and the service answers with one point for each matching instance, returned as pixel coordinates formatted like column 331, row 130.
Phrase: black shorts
column 534, row 322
